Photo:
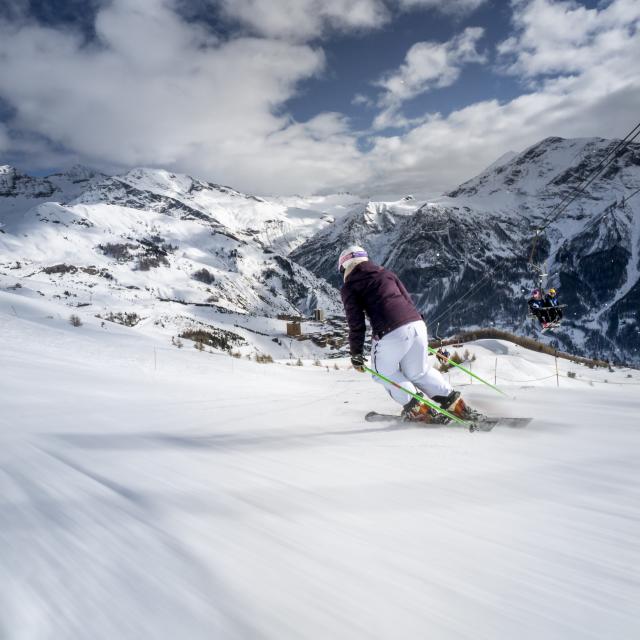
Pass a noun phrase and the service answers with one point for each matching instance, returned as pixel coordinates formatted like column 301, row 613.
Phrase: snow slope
column 156, row 492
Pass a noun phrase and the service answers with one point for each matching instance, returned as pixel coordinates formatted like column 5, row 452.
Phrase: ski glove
column 358, row 362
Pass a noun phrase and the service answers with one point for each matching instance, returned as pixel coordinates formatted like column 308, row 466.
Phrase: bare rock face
column 14, row 184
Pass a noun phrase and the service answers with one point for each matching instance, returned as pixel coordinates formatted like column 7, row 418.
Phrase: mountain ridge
column 463, row 256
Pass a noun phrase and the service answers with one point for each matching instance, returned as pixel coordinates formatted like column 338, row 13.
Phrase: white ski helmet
column 352, row 255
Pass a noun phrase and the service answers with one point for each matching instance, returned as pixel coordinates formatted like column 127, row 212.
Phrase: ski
column 485, row 424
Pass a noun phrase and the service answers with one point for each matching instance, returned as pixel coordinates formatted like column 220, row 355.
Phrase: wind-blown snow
column 151, row 492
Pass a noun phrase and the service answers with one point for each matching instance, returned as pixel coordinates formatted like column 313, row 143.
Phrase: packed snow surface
column 157, row 492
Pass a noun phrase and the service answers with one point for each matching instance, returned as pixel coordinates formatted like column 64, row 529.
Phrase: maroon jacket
column 376, row 292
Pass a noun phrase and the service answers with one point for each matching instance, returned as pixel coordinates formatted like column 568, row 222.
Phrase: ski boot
column 454, row 403
column 416, row 411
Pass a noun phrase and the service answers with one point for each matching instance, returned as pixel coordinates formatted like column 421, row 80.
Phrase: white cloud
column 158, row 91
column 432, row 64
column 458, row 7
column 4, row 138
column 565, row 38
column 303, row 20
column 597, row 96
column 316, row 155
column 30, row 151
column 427, row 65
column 361, row 100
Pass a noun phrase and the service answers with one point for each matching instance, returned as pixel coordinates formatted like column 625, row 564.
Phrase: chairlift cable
column 597, row 171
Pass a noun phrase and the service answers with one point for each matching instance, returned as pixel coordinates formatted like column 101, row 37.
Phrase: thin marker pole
column 455, row 364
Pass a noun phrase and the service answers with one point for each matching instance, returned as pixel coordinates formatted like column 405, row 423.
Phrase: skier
column 399, row 341
column 442, row 355
column 537, row 307
column 551, row 300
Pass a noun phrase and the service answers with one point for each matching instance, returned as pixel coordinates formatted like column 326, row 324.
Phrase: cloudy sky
column 379, row 97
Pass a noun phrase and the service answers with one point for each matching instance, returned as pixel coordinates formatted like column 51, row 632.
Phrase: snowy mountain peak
column 549, row 168
column 16, row 184
column 170, row 238
column 168, row 183
column 502, row 160
column 79, row 173
column 464, row 257
column 158, row 180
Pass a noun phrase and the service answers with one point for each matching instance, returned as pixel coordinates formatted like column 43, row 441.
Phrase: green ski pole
column 455, row 364
column 433, row 405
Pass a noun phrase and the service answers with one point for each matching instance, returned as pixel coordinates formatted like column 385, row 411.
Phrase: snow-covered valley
column 150, row 491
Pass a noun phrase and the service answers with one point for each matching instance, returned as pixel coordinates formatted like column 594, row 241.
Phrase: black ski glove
column 358, row 362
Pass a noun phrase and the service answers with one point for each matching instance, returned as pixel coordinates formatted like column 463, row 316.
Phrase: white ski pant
column 402, row 356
